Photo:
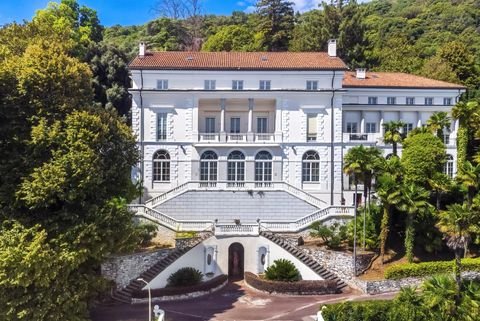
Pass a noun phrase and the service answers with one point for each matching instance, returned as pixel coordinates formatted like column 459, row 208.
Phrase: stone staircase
column 305, row 258
column 125, row 295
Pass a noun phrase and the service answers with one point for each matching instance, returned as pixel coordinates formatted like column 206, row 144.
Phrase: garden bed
column 184, row 292
column 303, row 287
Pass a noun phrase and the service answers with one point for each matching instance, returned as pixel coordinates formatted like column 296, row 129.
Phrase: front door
column 235, row 261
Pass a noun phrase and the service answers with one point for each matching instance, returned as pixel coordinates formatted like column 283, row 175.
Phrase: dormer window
column 162, row 84
column 237, row 84
column 265, row 85
column 312, row 85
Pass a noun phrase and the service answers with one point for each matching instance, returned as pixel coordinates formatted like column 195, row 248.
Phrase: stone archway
column 236, row 261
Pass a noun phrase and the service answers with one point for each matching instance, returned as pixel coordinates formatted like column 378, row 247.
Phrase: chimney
column 332, row 47
column 141, row 49
column 361, row 73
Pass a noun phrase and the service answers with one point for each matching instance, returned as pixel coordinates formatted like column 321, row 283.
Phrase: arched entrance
column 236, row 261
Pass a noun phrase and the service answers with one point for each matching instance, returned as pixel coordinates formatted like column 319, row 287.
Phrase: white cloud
column 241, row 4
column 299, row 5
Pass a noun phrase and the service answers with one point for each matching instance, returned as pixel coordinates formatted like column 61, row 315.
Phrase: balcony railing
column 237, row 137
column 362, row 137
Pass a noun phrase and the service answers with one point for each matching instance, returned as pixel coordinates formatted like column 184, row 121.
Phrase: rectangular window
column 235, row 125
column 447, row 101
column 311, row 127
column 162, row 84
column 371, row 127
column 372, row 100
column 391, row 100
column 352, row 128
column 237, row 84
column 262, row 127
column 312, row 85
column 410, row 100
column 428, row 101
column 407, row 128
column 210, row 125
column 264, row 85
column 161, row 126
column 209, row 84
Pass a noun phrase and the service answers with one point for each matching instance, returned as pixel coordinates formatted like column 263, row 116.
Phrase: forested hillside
column 435, row 38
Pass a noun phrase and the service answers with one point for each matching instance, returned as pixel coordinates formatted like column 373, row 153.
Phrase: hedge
column 358, row 311
column 426, row 269
column 204, row 286
column 305, row 287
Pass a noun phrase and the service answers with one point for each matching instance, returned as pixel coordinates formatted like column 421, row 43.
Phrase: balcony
column 362, row 137
column 237, row 138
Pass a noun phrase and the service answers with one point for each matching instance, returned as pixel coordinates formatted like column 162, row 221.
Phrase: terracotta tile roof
column 181, row 60
column 395, row 80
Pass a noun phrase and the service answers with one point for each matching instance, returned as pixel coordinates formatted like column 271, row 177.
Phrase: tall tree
column 468, row 114
column 469, row 178
column 352, row 41
column 393, row 134
column 276, row 23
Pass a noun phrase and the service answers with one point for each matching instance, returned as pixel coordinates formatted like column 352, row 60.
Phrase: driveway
column 234, row 302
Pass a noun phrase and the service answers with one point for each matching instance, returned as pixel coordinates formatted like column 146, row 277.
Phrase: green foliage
column 185, row 234
column 426, row 269
column 146, row 232
column 276, row 22
column 282, row 270
column 437, row 301
column 393, row 134
column 332, row 235
column 234, row 38
column 372, row 227
column 423, row 155
column 186, row 276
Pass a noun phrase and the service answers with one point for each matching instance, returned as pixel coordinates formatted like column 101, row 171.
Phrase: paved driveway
column 234, row 302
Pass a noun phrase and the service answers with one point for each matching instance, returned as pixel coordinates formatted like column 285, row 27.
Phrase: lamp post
column 149, row 299
column 355, row 227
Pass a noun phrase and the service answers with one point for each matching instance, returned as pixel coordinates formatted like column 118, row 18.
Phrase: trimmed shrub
column 358, row 311
column 202, row 287
column 146, row 232
column 186, row 276
column 426, row 269
column 282, row 270
column 307, row 287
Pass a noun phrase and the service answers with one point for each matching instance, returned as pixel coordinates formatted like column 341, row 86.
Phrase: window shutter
column 312, row 124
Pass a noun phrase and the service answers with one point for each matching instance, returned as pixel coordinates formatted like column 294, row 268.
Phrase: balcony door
column 236, row 168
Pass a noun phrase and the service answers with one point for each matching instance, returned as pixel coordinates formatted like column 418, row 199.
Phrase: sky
column 128, row 12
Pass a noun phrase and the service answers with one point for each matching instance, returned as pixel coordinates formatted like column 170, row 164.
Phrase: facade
column 246, row 121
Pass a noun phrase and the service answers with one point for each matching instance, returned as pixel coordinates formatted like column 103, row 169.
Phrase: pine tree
column 276, row 23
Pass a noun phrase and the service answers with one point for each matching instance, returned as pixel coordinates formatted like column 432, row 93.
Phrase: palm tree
column 389, row 195
column 468, row 115
column 437, row 122
column 457, row 223
column 413, row 200
column 440, row 295
column 440, row 183
column 469, row 178
column 393, row 134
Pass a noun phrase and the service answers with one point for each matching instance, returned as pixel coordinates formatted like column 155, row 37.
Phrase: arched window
column 208, row 166
column 236, row 167
column 311, row 167
column 448, row 168
column 263, row 167
column 161, row 166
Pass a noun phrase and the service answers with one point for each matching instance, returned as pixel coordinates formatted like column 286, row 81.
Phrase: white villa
column 245, row 142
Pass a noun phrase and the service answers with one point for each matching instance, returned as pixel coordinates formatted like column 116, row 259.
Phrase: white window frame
column 162, row 84
column 311, row 167
column 237, row 84
column 161, row 166
column 262, row 125
column 236, row 167
column 234, row 124
column 265, row 85
column 312, row 85
column 428, row 101
column 349, row 124
column 447, row 101
column 209, row 84
column 373, row 100
column 209, row 121
column 371, row 127
column 448, row 167
column 391, row 100
column 407, row 128
column 410, row 101
column 209, row 167
column 312, row 132
column 162, row 124
column 263, row 167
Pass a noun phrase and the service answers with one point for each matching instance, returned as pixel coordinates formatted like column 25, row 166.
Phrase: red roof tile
column 395, row 80
column 181, row 60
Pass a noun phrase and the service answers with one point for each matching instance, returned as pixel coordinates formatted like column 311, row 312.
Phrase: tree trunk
column 394, row 149
column 438, row 200
column 409, row 238
column 385, row 229
column 458, row 269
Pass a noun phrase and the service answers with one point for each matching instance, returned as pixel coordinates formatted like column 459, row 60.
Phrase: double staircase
column 125, row 295
column 305, row 258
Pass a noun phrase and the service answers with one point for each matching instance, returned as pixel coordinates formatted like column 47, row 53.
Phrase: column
column 195, row 119
column 223, row 135
column 278, row 121
column 362, row 122
column 250, row 134
column 419, row 119
column 382, row 121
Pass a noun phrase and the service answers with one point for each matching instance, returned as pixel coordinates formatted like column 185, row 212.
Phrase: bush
column 186, row 276
column 306, row 287
column 146, row 232
column 357, row 311
column 332, row 235
column 202, row 287
column 428, row 268
column 282, row 270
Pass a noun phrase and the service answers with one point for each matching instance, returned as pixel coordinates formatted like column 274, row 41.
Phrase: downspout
column 332, row 144
column 142, row 137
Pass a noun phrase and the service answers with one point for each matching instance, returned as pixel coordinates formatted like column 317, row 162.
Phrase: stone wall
column 385, row 286
column 123, row 269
